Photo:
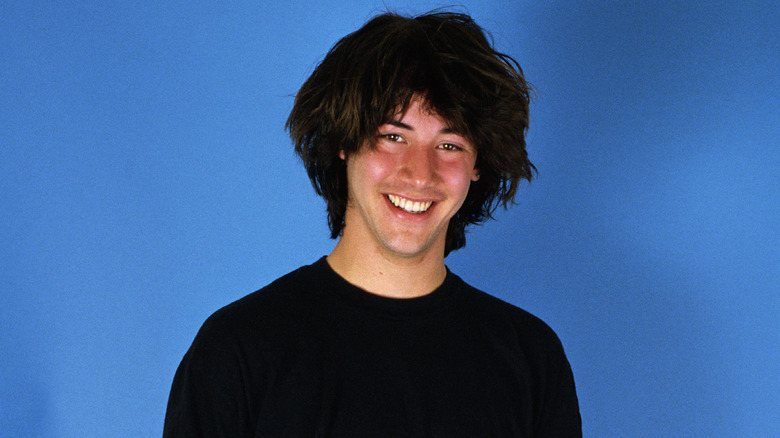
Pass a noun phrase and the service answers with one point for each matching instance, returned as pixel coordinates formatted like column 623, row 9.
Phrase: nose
column 419, row 166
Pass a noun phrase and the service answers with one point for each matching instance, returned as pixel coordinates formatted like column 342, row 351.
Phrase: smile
column 414, row 207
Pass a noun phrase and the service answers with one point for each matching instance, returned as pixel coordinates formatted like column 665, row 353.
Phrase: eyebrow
column 402, row 125
column 399, row 124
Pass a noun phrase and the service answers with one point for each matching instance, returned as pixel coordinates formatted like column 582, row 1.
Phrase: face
column 405, row 188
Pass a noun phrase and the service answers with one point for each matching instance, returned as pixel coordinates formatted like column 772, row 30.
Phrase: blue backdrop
column 146, row 180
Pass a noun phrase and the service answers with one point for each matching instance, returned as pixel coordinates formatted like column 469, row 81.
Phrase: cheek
column 365, row 172
column 375, row 167
column 461, row 174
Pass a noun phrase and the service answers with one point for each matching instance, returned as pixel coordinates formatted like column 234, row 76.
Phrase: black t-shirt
column 311, row 355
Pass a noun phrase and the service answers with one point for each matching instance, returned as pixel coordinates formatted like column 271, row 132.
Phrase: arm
column 560, row 412
column 208, row 397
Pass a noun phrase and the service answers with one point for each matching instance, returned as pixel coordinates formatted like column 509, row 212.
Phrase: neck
column 386, row 274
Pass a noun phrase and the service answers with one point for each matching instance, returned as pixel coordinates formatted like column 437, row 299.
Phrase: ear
column 475, row 175
column 342, row 155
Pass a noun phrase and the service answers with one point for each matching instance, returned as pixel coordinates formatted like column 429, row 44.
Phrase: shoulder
column 495, row 307
column 221, row 376
column 272, row 309
column 533, row 343
column 501, row 318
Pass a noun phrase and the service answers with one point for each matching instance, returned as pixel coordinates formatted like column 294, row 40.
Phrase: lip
column 411, row 198
column 405, row 214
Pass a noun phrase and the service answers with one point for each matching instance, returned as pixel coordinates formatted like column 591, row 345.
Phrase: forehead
column 418, row 105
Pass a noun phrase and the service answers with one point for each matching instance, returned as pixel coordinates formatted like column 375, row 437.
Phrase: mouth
column 409, row 206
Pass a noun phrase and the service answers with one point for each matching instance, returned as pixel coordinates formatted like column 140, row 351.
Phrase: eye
column 392, row 137
column 449, row 147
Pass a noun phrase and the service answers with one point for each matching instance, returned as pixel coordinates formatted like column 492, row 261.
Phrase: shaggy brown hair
column 374, row 72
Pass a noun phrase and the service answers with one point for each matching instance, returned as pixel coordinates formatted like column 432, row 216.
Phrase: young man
column 411, row 129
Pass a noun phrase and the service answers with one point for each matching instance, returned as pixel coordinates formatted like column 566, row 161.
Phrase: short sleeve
column 208, row 396
column 560, row 412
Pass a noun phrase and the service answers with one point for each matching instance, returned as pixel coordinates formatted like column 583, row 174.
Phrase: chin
column 410, row 249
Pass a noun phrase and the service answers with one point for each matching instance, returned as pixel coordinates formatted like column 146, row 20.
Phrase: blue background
column 146, row 180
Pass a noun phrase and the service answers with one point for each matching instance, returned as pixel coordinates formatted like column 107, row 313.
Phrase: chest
column 395, row 378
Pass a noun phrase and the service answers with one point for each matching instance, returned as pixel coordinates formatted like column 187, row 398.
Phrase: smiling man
column 403, row 188
column 411, row 129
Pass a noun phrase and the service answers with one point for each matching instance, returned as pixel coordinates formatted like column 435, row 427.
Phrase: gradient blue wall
column 146, row 180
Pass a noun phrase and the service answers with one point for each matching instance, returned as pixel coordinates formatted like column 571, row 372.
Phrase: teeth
column 408, row 205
